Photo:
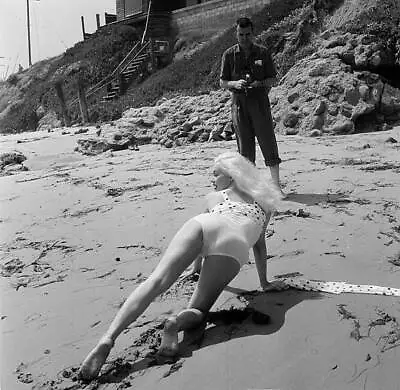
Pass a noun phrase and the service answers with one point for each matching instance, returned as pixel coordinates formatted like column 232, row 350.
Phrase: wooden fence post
column 83, row 102
column 60, row 95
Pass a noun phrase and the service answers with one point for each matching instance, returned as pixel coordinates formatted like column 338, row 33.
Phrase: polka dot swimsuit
column 231, row 229
column 237, row 211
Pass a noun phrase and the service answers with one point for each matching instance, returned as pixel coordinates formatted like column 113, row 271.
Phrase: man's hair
column 244, row 22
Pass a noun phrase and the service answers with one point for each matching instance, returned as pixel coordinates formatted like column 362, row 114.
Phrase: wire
column 37, row 32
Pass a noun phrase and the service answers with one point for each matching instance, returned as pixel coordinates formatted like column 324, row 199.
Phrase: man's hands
column 239, row 84
column 276, row 285
column 243, row 84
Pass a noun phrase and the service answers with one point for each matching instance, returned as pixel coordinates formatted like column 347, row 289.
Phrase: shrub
column 13, row 79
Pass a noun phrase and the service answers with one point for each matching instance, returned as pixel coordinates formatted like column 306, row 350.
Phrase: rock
column 336, row 41
column 292, row 131
column 320, row 107
column 229, row 128
column 292, row 97
column 333, row 109
column 181, row 141
column 194, row 120
column 114, row 139
column 391, row 140
column 321, row 67
column 187, row 126
column 148, row 122
column 352, row 95
column 346, row 110
column 173, row 133
column 13, row 168
column 204, row 136
column 342, row 127
column 318, row 122
column 362, row 108
column 316, row 133
column 141, row 140
column 92, row 146
column 215, row 135
column 9, row 158
column 386, row 127
column 291, row 119
column 193, row 137
column 364, row 92
column 81, row 131
column 169, row 144
column 390, row 101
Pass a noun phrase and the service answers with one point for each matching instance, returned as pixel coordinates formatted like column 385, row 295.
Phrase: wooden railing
column 133, row 53
column 136, row 50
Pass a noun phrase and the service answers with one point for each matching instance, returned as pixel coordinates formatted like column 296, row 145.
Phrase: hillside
column 292, row 29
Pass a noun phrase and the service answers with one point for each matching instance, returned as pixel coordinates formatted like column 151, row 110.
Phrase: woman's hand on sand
column 276, row 285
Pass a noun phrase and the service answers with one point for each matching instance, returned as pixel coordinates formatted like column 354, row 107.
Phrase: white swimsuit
column 231, row 228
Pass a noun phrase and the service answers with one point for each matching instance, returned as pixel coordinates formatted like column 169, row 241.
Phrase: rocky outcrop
column 339, row 89
column 171, row 122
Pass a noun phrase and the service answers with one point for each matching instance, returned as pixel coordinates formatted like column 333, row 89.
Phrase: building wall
column 214, row 15
column 120, row 8
column 195, row 15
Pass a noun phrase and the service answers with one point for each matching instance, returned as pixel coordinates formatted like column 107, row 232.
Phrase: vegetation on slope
column 287, row 27
column 90, row 60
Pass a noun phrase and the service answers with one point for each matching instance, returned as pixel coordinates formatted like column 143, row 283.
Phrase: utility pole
column 29, row 33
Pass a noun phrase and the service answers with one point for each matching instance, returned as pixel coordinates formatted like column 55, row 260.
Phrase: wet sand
column 79, row 233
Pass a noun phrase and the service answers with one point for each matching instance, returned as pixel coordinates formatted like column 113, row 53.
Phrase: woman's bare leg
column 217, row 272
column 181, row 252
column 186, row 319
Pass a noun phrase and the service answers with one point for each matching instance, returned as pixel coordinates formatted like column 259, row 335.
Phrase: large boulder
column 336, row 89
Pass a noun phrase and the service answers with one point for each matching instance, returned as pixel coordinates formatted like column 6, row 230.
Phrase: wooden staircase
column 144, row 58
column 140, row 61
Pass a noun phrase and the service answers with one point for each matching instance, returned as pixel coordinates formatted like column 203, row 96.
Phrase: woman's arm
column 260, row 257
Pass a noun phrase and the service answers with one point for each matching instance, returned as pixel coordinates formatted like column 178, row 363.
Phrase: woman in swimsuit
column 236, row 218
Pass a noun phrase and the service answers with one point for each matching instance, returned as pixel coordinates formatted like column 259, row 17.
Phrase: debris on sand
column 346, row 314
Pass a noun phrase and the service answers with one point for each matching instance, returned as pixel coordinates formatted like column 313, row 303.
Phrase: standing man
column 248, row 71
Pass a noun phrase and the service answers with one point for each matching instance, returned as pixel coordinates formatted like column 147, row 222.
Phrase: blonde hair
column 248, row 179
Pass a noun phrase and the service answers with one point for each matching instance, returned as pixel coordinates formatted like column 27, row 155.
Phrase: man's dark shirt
column 259, row 64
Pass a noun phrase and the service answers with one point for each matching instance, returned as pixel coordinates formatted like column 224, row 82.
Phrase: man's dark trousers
column 251, row 117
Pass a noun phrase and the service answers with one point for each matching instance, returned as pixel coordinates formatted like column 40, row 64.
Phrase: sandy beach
column 79, row 233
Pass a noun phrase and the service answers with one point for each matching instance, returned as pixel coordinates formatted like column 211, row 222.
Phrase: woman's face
column 221, row 181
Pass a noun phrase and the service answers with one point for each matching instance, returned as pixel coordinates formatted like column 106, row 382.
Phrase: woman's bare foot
column 91, row 366
column 169, row 341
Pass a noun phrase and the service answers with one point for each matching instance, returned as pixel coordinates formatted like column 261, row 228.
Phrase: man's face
column 244, row 36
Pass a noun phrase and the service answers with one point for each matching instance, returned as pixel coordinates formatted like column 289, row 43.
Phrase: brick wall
column 120, row 8
column 214, row 15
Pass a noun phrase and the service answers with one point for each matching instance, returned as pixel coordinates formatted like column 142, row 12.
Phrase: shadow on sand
column 263, row 314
